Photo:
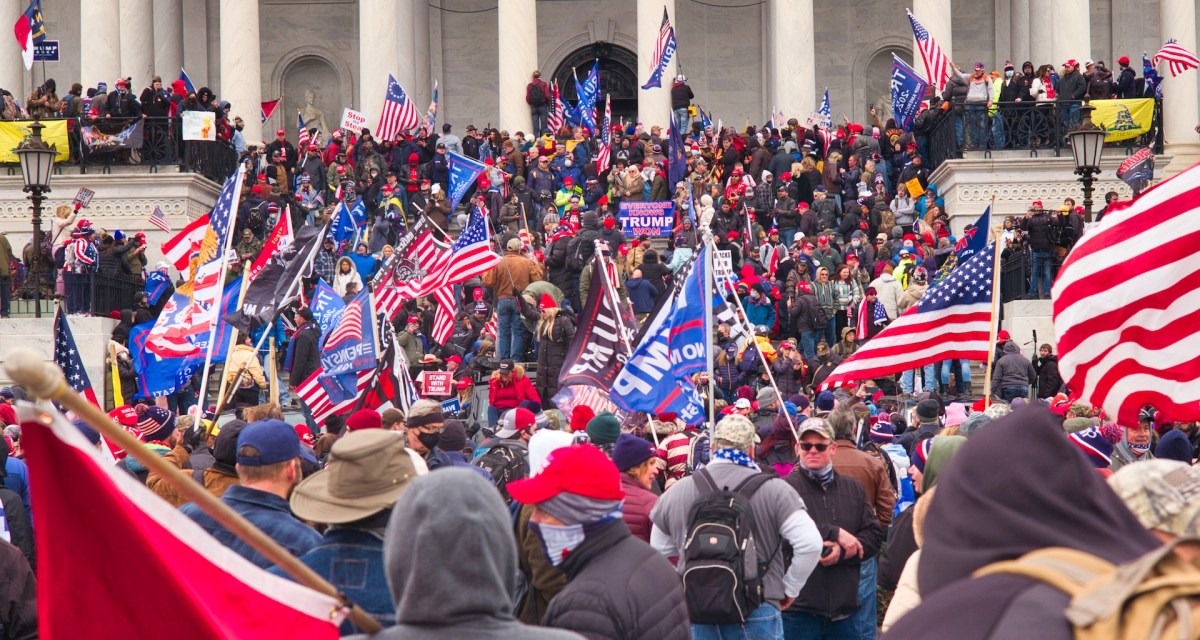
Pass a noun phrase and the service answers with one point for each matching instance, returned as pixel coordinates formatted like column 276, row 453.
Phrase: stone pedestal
column 1021, row 318
column 91, row 338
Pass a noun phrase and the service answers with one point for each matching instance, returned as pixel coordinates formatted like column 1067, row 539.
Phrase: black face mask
column 428, row 440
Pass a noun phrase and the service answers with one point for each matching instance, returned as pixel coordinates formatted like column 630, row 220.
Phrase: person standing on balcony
column 1071, row 88
column 978, row 100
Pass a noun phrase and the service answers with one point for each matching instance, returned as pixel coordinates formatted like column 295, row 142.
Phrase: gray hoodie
column 1012, row 369
column 452, row 561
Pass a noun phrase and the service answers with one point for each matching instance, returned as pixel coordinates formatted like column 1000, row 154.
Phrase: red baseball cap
column 124, row 415
column 1002, row 336
column 580, row 469
column 281, row 132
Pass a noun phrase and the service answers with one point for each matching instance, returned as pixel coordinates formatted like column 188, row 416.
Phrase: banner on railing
column 14, row 132
column 1123, row 119
column 199, row 125
column 97, row 141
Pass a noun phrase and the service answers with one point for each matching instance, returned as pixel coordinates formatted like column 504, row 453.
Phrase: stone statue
column 313, row 117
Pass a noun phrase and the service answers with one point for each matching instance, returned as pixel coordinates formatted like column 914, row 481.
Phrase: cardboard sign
column 451, row 406
column 84, row 196
column 353, row 120
column 199, row 125
column 436, row 383
column 655, row 218
column 915, row 190
column 723, row 263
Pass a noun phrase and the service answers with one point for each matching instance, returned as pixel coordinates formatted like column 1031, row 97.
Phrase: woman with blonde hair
column 554, row 331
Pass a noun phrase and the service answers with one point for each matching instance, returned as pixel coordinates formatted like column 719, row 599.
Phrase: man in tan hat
column 354, row 494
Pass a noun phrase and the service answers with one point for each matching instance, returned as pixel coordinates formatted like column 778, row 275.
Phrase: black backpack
column 722, row 581
column 506, row 460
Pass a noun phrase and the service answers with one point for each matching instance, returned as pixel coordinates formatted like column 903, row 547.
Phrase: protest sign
column 84, row 197
column 655, row 218
column 436, row 383
column 353, row 120
column 199, row 125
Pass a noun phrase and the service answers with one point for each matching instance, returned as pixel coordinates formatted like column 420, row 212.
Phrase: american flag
column 417, row 266
column 349, row 327
column 178, row 250
column 490, row 328
column 398, row 115
column 664, row 48
column 937, row 66
column 66, row 356
column 1180, row 59
column 159, row 219
column 952, row 320
column 471, row 254
column 1123, row 347
column 431, row 112
column 302, row 138
column 207, row 286
column 443, row 319
column 555, row 119
column 604, row 156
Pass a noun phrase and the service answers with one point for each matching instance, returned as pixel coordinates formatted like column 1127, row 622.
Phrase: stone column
column 1041, row 32
column 241, row 70
column 422, row 83
column 406, row 64
column 517, row 60
column 1181, row 94
column 99, row 42
column 792, row 58
column 168, row 39
column 12, row 69
column 378, row 25
column 137, row 42
column 1072, row 36
column 654, row 105
column 935, row 15
column 1019, row 34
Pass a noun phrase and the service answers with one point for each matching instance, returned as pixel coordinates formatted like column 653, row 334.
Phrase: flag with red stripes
column 399, row 114
column 179, row 249
column 1126, row 344
column 66, row 356
column 418, row 265
column 302, row 137
column 937, row 65
column 471, row 254
column 1178, row 58
column 952, row 320
column 555, row 119
column 604, row 156
column 159, row 219
column 443, row 319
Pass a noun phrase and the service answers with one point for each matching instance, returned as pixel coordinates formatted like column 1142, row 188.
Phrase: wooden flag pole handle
column 45, row 380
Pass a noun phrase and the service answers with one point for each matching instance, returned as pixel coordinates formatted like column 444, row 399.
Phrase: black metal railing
column 1014, row 276
column 113, row 293
column 1036, row 127
column 162, row 145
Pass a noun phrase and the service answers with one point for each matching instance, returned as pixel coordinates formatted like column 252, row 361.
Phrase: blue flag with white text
column 327, row 307
column 908, row 89
column 664, row 48
column 463, row 172
column 352, row 345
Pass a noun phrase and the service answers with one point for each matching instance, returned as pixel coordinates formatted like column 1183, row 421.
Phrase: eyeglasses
column 809, row 446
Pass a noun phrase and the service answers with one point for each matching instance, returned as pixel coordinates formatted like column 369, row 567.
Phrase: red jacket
column 507, row 396
column 638, row 504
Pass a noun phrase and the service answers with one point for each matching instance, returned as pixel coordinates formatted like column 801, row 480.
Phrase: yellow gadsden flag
column 1123, row 119
column 12, row 133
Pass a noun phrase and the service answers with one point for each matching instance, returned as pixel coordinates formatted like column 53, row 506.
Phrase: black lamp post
column 37, row 164
column 1087, row 145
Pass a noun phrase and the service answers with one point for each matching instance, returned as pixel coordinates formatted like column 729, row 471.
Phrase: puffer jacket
column 600, row 600
column 552, row 352
column 638, row 504
column 508, row 396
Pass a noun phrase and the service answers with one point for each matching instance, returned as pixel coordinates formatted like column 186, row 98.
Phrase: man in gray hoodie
column 466, row 593
column 1012, row 374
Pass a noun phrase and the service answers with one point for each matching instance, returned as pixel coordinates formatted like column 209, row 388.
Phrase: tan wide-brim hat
column 367, row 472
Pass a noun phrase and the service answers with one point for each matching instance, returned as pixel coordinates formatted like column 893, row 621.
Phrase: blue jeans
column 1008, row 393
column 764, row 623
column 510, row 334
column 680, row 116
column 866, row 619
column 831, row 335
column 929, row 379
column 539, row 114
column 1071, row 117
column 958, row 126
column 78, row 294
column 787, row 236
column 977, row 124
column 999, row 140
column 798, row 625
column 964, row 375
column 1043, row 262
column 808, row 345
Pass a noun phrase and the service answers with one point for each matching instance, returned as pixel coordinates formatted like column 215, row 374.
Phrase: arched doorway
column 872, row 74
column 618, row 76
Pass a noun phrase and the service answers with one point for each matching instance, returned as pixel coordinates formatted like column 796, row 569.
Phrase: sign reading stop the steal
column 353, row 120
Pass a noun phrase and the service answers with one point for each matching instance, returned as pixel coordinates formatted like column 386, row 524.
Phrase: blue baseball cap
column 275, row 440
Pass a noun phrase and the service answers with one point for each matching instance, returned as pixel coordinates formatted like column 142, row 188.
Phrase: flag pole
column 995, row 316
column 215, row 312
column 273, row 395
column 224, row 388
column 45, row 380
column 709, row 287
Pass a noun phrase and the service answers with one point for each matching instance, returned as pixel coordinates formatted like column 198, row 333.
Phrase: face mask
column 1139, row 449
column 754, row 296
column 855, row 243
column 1008, row 74
column 558, row 541
column 428, row 440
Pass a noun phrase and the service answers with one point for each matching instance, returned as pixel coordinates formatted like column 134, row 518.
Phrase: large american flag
column 66, row 356
column 1179, row 58
column 937, row 65
column 952, row 320
column 398, row 115
column 556, row 117
column 604, row 156
column 1123, row 345
column 417, row 266
column 471, row 253
column 443, row 319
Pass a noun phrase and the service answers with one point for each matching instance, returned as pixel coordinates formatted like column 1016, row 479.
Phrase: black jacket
column 1126, row 87
column 681, row 96
column 306, row 354
column 1048, row 378
column 552, row 352
column 619, row 587
column 1038, row 228
column 842, row 504
column 1072, row 86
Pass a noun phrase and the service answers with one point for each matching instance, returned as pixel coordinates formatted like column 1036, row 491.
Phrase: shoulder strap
column 1068, row 570
column 705, row 482
column 750, row 485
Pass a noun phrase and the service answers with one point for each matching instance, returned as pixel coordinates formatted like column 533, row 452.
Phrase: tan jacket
column 178, row 457
column 514, row 272
column 911, row 295
column 245, row 356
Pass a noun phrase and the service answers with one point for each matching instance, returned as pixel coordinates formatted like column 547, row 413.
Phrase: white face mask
column 558, row 540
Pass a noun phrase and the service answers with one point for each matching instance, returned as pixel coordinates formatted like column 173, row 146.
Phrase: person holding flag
column 681, row 99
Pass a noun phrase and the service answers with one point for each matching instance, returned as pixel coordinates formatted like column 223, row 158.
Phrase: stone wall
column 91, row 338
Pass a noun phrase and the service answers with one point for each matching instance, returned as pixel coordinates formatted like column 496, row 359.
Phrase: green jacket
column 6, row 255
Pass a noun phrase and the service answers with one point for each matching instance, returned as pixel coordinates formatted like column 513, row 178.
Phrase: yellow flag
column 1123, row 119
column 13, row 132
column 118, row 395
column 914, row 188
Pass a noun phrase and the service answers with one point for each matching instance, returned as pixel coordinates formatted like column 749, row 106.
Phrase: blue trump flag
column 908, row 89
column 346, row 223
column 657, row 376
column 156, row 285
column 352, row 345
column 974, row 239
column 463, row 172
column 327, row 307
column 590, row 92
column 158, row 375
column 664, row 48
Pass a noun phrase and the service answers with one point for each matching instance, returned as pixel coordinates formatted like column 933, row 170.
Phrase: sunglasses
column 809, row 446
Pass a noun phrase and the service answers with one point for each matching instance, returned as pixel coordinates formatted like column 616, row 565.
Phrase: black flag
column 279, row 281
column 597, row 352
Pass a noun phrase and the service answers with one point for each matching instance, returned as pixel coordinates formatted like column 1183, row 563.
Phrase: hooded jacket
column 465, row 594
column 1014, row 487
column 1012, row 369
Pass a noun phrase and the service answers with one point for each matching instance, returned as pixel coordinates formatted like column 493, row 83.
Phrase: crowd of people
column 513, row 518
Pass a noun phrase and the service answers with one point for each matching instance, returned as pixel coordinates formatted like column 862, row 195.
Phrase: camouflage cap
column 737, row 430
column 818, row 426
column 1163, row 494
